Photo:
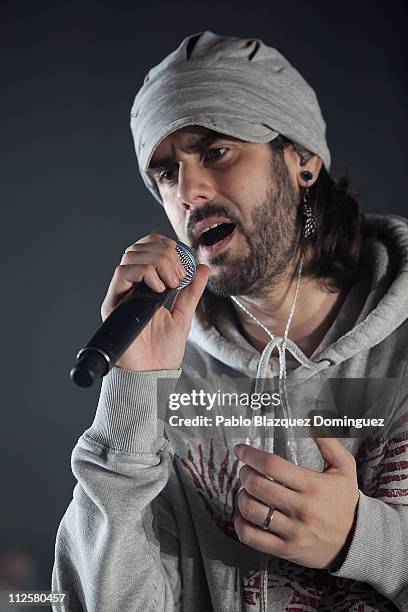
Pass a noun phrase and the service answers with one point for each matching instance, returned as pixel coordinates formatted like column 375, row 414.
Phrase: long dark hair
column 336, row 249
column 333, row 256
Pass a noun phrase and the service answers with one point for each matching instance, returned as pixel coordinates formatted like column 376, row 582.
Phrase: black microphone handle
column 117, row 332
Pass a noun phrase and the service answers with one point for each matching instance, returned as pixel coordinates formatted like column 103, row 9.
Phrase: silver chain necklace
column 270, row 334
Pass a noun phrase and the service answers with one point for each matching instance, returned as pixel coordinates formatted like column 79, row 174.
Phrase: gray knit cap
column 238, row 87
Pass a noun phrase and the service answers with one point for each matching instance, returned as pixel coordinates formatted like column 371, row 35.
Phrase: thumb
column 331, row 449
column 333, row 452
column 188, row 298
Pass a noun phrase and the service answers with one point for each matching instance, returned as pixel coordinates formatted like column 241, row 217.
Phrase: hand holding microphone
column 137, row 333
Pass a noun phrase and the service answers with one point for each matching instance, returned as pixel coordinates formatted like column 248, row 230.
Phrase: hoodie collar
column 385, row 255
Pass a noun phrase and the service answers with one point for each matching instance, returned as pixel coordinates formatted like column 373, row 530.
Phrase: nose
column 195, row 185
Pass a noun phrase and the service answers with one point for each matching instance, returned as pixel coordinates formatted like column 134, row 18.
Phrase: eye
column 216, row 153
column 167, row 176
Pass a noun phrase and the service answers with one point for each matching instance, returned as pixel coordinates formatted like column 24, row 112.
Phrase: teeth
column 212, row 227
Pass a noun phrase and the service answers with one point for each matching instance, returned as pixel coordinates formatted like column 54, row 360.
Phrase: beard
column 271, row 243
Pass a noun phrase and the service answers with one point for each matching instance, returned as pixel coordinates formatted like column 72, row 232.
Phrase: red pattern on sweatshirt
column 308, row 589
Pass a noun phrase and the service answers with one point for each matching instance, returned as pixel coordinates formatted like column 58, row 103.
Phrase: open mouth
column 216, row 233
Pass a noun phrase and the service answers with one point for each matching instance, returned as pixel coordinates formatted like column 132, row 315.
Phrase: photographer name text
column 265, row 421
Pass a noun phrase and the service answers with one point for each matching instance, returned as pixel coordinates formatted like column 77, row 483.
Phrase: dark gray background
column 72, row 199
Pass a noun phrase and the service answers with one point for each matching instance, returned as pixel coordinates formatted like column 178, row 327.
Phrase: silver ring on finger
column 267, row 521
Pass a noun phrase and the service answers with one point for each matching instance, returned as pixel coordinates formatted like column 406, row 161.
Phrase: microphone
column 125, row 323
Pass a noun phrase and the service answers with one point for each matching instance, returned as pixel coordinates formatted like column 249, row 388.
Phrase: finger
column 270, row 493
column 295, row 477
column 262, row 540
column 170, row 269
column 154, row 238
column 153, row 280
column 166, row 249
column 156, row 243
column 188, row 298
column 147, row 246
column 334, row 453
column 124, row 279
column 256, row 512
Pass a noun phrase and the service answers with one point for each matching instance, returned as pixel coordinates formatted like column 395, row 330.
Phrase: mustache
column 209, row 210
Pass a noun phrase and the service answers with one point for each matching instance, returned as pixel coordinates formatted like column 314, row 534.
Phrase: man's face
column 205, row 179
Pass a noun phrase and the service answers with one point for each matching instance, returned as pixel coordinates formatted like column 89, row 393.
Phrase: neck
column 315, row 310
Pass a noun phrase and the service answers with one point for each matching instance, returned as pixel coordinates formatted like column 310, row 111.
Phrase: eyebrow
column 198, row 146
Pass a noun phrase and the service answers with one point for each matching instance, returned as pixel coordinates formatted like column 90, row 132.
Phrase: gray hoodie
column 150, row 523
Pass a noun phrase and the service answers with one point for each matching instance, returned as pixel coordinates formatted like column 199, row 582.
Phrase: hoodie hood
column 381, row 292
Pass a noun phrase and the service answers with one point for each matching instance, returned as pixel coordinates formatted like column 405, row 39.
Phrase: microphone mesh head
column 189, row 261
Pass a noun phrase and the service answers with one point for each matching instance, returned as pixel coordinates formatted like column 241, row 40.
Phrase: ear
column 295, row 166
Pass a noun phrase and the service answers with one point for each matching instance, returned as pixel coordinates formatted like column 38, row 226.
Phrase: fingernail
column 237, row 451
column 180, row 269
column 175, row 278
column 160, row 285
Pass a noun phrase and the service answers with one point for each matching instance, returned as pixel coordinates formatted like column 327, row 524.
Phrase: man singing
column 295, row 285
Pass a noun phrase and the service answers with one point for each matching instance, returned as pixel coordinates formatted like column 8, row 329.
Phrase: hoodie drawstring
column 283, row 344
